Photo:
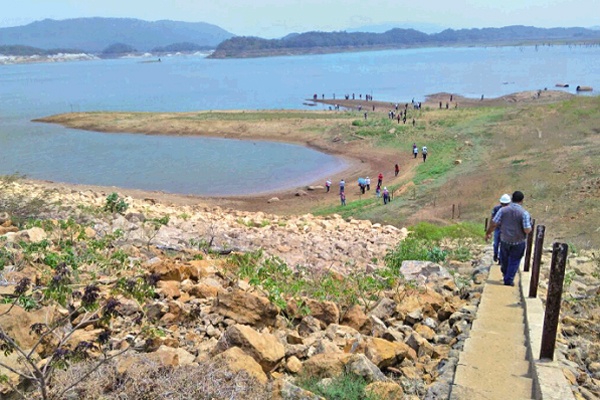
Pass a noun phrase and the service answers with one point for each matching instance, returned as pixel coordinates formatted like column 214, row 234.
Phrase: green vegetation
column 114, row 203
column 288, row 287
column 343, row 387
column 309, row 42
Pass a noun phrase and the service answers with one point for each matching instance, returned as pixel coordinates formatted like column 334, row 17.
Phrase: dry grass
column 149, row 380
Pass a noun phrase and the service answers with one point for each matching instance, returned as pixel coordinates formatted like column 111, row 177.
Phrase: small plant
column 139, row 288
column 152, row 226
column 184, row 216
column 114, row 203
column 343, row 387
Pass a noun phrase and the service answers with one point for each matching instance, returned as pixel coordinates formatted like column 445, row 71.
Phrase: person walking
column 368, row 182
column 396, row 170
column 424, row 152
column 328, row 185
column 343, row 198
column 386, row 196
column 515, row 224
column 342, row 186
column 415, row 150
column 380, row 179
column 504, row 201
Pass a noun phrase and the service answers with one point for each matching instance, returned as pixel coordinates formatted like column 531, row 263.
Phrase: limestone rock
column 246, row 308
column 169, row 289
column 354, row 317
column 32, row 235
column 236, row 361
column 385, row 390
column 171, row 357
column 422, row 270
column 384, row 308
column 325, row 311
column 326, row 365
column 384, row 353
column 293, row 365
column 263, row 347
column 285, row 390
column 359, row 365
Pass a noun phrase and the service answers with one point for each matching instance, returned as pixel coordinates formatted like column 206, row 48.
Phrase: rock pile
column 405, row 343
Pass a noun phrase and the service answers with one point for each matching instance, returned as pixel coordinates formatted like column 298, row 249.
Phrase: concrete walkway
column 493, row 363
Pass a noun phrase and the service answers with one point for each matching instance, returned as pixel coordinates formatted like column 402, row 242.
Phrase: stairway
column 493, row 364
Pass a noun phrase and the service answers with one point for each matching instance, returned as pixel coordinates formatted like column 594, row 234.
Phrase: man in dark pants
column 504, row 201
column 515, row 224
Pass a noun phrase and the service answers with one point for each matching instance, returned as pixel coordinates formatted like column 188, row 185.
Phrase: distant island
column 334, row 42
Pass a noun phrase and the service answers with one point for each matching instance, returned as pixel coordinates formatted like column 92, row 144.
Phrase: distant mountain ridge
column 328, row 42
column 95, row 34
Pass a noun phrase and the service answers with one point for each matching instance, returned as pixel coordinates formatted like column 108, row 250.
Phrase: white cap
column 505, row 199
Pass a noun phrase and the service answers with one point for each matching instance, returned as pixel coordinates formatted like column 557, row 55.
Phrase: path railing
column 555, row 285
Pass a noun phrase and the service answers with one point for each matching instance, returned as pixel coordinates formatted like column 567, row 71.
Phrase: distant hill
column 330, row 42
column 96, row 34
column 381, row 28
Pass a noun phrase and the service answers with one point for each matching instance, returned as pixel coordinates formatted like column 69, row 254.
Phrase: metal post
column 528, row 251
column 537, row 259
column 554, row 297
column 453, row 207
column 458, row 216
column 485, row 225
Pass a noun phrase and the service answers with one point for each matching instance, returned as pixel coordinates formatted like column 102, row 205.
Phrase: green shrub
column 114, row 203
column 343, row 387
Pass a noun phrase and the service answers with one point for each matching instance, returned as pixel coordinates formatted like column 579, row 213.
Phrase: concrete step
column 490, row 384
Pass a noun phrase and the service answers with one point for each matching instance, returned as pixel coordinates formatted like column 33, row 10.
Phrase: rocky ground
column 201, row 315
column 185, row 307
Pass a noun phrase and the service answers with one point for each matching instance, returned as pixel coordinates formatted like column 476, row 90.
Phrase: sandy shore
column 331, row 133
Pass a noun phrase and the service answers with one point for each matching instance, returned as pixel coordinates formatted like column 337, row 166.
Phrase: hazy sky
column 273, row 18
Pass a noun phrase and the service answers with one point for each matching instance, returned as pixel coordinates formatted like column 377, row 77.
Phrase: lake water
column 186, row 83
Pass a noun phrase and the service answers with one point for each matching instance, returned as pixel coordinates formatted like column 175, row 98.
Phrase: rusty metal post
column 453, row 207
column 458, row 208
column 485, row 225
column 537, row 259
column 554, row 297
column 528, row 251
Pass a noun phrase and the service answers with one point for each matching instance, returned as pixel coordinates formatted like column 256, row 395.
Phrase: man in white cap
column 515, row 225
column 504, row 201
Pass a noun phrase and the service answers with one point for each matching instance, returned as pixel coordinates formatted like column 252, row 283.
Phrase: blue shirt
column 513, row 219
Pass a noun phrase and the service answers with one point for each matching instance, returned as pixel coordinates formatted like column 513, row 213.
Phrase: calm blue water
column 216, row 166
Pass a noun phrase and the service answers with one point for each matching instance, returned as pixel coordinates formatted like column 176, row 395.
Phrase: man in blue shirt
column 515, row 223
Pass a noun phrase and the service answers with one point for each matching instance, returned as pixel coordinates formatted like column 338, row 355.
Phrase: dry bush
column 148, row 379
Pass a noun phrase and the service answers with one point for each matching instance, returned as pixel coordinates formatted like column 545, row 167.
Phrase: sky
column 276, row 18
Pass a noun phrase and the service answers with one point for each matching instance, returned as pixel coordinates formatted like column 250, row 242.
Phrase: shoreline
column 362, row 157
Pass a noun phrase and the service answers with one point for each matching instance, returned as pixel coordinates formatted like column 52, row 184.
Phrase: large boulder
column 263, row 347
column 246, row 308
column 359, row 365
column 422, row 270
column 236, row 360
column 325, row 311
column 384, row 390
column 325, row 365
column 354, row 317
column 384, row 353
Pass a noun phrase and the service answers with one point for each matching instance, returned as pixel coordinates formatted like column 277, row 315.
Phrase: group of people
column 364, row 185
column 510, row 225
column 415, row 151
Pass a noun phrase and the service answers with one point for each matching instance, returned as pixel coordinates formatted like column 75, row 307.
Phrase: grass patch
column 343, row 387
